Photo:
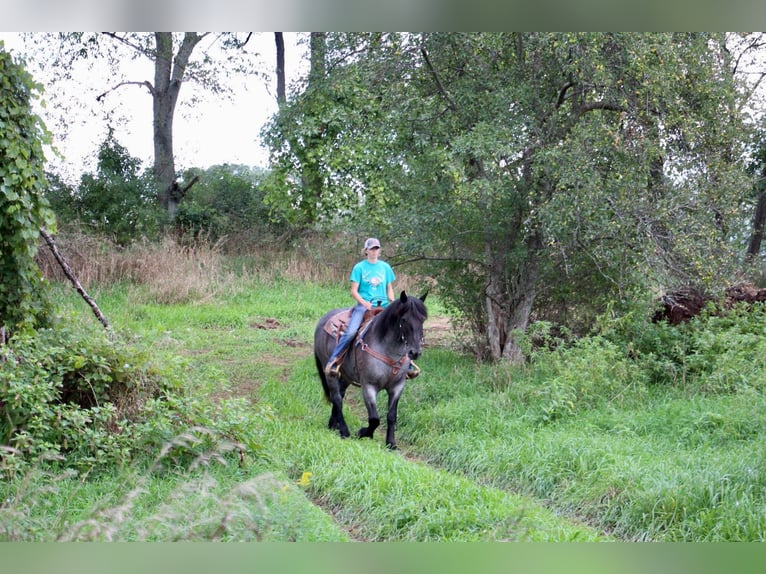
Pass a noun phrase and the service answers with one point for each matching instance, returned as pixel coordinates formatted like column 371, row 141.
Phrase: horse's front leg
column 393, row 405
column 370, row 394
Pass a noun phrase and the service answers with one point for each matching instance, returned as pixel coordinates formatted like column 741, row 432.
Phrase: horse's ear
column 403, row 297
column 424, row 295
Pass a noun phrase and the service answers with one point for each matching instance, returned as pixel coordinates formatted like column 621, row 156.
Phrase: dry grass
column 170, row 271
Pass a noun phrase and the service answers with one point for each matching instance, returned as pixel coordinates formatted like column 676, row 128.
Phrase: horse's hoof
column 391, row 446
column 362, row 433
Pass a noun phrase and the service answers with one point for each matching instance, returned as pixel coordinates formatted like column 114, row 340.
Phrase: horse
column 377, row 359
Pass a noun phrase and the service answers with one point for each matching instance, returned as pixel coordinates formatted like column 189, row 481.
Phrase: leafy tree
column 23, row 208
column 532, row 171
column 176, row 59
column 329, row 155
column 118, row 200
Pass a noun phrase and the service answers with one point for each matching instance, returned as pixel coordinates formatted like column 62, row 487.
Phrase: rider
column 371, row 286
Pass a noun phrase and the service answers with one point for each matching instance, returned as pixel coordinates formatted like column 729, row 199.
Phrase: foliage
column 331, row 132
column 643, row 431
column 648, row 431
column 118, row 201
column 226, row 200
column 713, row 353
column 583, row 168
column 23, row 208
column 93, row 400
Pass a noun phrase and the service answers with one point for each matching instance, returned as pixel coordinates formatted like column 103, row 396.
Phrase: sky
column 215, row 130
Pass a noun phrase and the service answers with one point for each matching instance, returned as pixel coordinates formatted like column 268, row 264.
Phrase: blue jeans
column 353, row 326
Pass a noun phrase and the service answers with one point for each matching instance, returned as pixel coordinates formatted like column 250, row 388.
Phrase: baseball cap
column 370, row 243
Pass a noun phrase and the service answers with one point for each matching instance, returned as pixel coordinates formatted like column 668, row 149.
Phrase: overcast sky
column 215, row 131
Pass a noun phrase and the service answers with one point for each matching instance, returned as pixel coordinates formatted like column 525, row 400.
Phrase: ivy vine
column 23, row 207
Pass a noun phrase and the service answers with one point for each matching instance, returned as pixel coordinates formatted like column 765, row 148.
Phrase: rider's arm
column 359, row 299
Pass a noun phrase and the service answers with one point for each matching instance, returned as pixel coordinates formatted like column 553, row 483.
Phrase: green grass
column 577, row 445
column 666, row 467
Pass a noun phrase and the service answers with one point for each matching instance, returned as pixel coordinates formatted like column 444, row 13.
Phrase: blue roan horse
column 378, row 359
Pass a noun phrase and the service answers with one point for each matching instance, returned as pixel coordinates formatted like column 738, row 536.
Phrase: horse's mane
column 390, row 317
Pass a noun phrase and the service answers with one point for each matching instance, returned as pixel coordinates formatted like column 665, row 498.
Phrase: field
column 583, row 443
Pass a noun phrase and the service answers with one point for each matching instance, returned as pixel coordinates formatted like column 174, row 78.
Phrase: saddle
column 337, row 324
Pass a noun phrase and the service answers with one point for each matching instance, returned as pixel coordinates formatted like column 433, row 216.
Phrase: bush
column 226, row 201
column 713, row 353
column 92, row 400
column 590, row 373
column 119, row 201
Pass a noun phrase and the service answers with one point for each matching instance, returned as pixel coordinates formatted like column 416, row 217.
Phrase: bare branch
column 145, row 83
column 71, row 276
column 126, row 41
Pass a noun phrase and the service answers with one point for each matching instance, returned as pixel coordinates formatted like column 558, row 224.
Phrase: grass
column 669, row 467
column 577, row 445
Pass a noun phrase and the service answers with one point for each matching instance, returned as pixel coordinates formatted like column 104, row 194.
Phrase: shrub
column 713, row 353
column 90, row 399
column 226, row 201
column 591, row 372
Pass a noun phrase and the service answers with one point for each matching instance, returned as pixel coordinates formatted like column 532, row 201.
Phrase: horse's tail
column 320, row 370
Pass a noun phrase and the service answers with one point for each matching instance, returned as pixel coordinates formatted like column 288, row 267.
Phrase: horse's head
column 408, row 316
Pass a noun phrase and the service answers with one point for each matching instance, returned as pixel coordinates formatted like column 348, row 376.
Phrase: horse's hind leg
column 333, row 391
column 337, row 422
column 370, row 393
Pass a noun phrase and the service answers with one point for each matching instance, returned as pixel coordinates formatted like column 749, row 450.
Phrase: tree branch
column 438, row 81
column 124, row 40
column 608, row 106
column 145, row 83
column 70, row 275
column 563, row 93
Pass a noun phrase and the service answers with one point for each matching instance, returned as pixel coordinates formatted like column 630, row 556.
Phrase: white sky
column 215, row 131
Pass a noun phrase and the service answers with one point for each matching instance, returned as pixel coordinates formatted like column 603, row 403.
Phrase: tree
column 118, row 200
column 23, row 208
column 176, row 59
column 529, row 170
column 323, row 142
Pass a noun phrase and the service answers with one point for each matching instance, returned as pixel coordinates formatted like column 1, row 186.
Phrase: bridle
column 396, row 365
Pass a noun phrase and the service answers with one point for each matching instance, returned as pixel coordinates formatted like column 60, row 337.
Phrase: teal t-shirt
column 373, row 279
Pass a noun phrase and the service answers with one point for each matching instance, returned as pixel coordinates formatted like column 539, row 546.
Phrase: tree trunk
column 281, row 90
column 168, row 75
column 509, row 304
column 759, row 219
column 318, row 55
column 311, row 176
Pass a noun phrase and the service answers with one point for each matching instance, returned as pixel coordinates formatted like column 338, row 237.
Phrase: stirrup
column 332, row 369
column 413, row 371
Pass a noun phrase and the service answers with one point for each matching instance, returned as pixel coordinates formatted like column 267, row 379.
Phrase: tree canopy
column 532, row 173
